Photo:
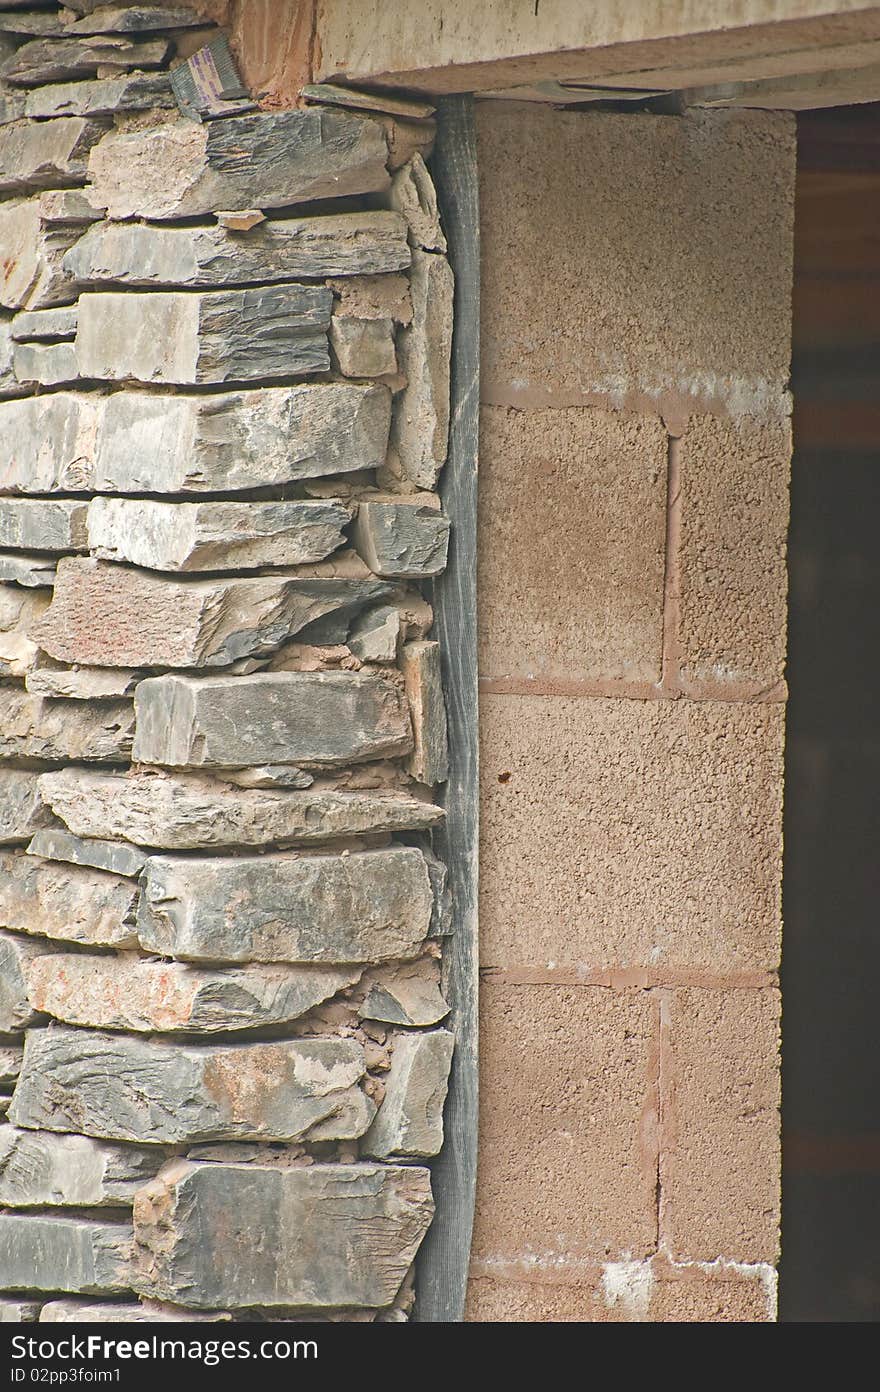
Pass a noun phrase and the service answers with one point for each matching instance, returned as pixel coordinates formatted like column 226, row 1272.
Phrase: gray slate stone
column 191, row 812
column 364, row 347
column 110, row 993
column 420, row 429
column 9, row 383
column 101, row 18
column 93, row 1312
column 404, row 993
column 24, row 568
column 66, row 208
column 31, row 728
column 132, row 442
column 45, row 325
column 116, row 857
column 204, row 339
column 44, row 524
column 214, row 536
column 123, row 1088
column 46, row 154
column 20, row 608
column 107, row 615
column 31, row 271
column 16, row 1010
column 22, row 810
column 363, row 907
column 409, row 1122
column 414, row 196
column 310, row 718
column 269, row 160
column 42, row 1168
column 276, row 776
column 108, row 96
column 342, row 1235
column 375, row 635
column 405, row 540
column 81, row 684
column 79, row 1255
column 69, row 903
column 10, row 1062
column 58, row 59
column 46, row 364
column 363, row 243
column 429, row 761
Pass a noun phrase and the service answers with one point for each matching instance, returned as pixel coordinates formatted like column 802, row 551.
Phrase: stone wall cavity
column 224, row 372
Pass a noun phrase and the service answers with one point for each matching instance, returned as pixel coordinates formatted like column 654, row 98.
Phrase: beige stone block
column 707, row 1299
column 492, row 1300
column 719, row 1169
column 572, row 528
column 630, row 833
column 567, row 1159
column 638, row 256
column 734, row 521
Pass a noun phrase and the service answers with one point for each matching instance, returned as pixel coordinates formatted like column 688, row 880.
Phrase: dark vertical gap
column 444, row 1258
column 831, row 961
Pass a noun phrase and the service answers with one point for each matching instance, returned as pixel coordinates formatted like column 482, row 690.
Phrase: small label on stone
column 207, row 85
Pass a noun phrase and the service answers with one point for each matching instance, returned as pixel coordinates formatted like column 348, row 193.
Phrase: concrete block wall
column 224, row 402
column 634, row 482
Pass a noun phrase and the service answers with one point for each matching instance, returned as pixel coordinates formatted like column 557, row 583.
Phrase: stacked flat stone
column 223, row 1042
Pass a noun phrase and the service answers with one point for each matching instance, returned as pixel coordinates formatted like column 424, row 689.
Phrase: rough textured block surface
column 78, row 1255
column 44, row 525
column 106, row 993
column 420, row 429
column 93, row 1312
column 39, row 1168
column 31, row 273
column 404, row 540
column 631, row 833
column 30, row 569
column 130, row 1089
column 45, row 325
column 364, row 907
column 66, row 902
column 406, row 993
column 80, row 683
column 134, row 443
column 46, row 154
column 57, row 59
column 104, row 97
column 567, row 1160
column 720, row 1161
column 429, row 761
column 16, row 1010
column 118, row 857
column 213, row 536
column 281, row 717
column 204, row 339
column 22, row 810
column 343, row 1235
column 20, row 608
column 46, row 364
column 31, row 728
column 573, row 512
column 363, row 347
column 192, row 812
column 111, row 616
column 340, row 244
column 410, row 1120
column 268, row 160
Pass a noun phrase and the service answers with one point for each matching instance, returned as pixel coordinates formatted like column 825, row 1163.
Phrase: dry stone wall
column 224, row 405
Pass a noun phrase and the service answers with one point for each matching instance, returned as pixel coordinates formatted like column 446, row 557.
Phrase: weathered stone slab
column 340, row 244
column 18, row 1311
column 132, row 442
column 308, row 718
column 268, row 160
column 78, row 1255
column 44, row 525
column 20, row 608
column 108, row 993
column 70, row 904
column 214, row 536
column 406, row 540
column 93, row 1312
column 81, row 684
column 58, row 59
column 363, row 907
column 9, row 383
column 190, row 812
column 194, row 338
column 117, row 857
column 10, row 1062
column 107, row 615
column 107, row 96
column 274, row 776
column 28, row 569
column 66, row 208
column 129, row 1089
column 364, row 347
column 414, row 196
column 45, row 325
column 132, row 19
column 31, row 272
column 16, row 1010
column 22, row 810
column 405, row 993
column 375, row 635
column 420, row 664
column 46, row 364
column 46, row 154
column 420, row 429
column 373, row 297
column 342, row 1235
column 41, row 1168
column 31, row 728
column 410, row 1119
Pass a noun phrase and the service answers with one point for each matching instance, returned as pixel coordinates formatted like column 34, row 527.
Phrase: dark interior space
column 831, row 1052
